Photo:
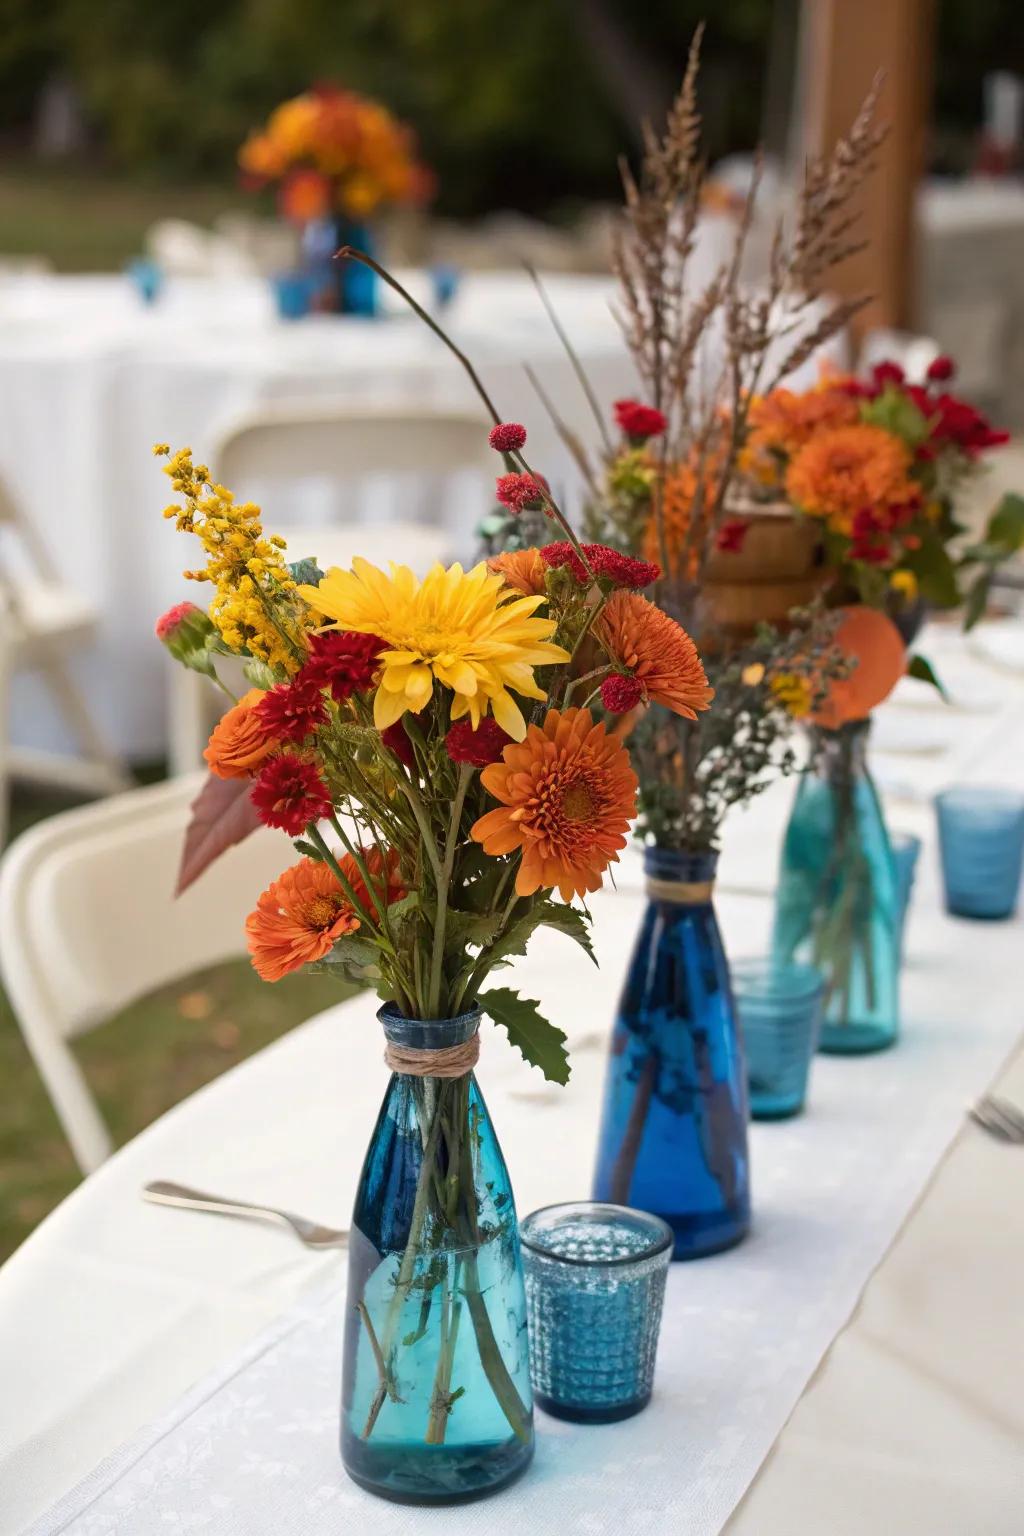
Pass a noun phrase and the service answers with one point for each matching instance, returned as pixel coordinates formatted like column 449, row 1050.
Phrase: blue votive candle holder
column 906, row 850
column 595, row 1283
column 780, row 1009
column 981, row 839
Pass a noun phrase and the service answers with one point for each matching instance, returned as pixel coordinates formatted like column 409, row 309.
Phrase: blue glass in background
column 906, row 850
column 147, row 279
column 981, row 838
column 446, row 1309
column 673, row 1134
column 293, row 293
column 445, row 280
column 780, row 1011
column 595, row 1283
column 837, row 904
column 341, row 287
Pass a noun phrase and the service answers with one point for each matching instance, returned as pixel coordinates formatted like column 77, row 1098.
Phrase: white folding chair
column 284, row 444
column 42, row 622
column 89, row 923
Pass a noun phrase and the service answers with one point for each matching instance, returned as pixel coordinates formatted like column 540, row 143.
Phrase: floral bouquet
column 430, row 747
column 879, row 464
column 332, row 151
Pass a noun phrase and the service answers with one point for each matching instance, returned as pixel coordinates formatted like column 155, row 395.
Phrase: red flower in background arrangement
column 517, row 492
column 343, row 661
column 292, row 711
column 507, row 436
column 620, row 693
column 732, row 536
column 638, row 421
column 622, row 570
column 870, row 537
column 961, row 424
column 396, row 739
column 478, row 747
column 941, row 368
column 289, row 793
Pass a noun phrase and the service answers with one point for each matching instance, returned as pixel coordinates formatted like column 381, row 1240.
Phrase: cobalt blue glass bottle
column 674, row 1129
column 436, row 1400
column 838, row 904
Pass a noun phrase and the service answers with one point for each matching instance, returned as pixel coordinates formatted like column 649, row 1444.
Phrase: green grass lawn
column 84, row 221
column 153, row 1054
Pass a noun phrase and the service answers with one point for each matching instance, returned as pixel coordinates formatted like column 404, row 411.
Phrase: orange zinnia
column 842, row 471
column 645, row 643
column 239, row 743
column 567, row 796
column 297, row 920
column 523, row 569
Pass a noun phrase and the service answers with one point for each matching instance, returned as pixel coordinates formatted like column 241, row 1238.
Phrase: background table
column 113, row 1308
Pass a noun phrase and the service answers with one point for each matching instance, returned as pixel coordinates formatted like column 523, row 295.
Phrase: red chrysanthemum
column 517, row 492
column 396, row 739
column 622, row 570
column 171, row 621
column 941, row 368
column 639, row 421
column 732, row 536
column 289, row 793
column 507, row 436
column 343, row 661
column 480, row 747
column 619, row 693
column 292, row 711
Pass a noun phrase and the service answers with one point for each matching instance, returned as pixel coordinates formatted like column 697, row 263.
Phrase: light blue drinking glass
column 780, row 1009
column 981, row 838
column 146, row 278
column 906, row 850
column 595, row 1283
column 293, row 294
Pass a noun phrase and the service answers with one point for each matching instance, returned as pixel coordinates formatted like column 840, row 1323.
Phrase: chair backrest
column 345, row 441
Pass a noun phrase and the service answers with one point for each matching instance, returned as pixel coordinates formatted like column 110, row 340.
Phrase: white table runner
column 252, row 1451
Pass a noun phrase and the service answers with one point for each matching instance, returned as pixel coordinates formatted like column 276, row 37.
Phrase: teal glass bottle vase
column 673, row 1137
column 838, row 901
column 436, row 1399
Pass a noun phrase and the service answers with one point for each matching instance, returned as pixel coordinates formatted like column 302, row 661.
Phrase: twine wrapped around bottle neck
column 446, row 1061
column 683, row 893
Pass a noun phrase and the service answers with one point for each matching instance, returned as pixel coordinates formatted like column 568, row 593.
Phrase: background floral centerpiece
column 426, row 745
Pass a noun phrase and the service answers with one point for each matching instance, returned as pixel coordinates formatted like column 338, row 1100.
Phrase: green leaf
column 350, row 949
column 476, row 928
column 570, row 921
column 897, row 413
column 935, row 572
column 977, row 599
column 306, row 572
column 1006, row 525
column 540, row 1043
column 308, row 850
column 921, row 668
column 259, row 674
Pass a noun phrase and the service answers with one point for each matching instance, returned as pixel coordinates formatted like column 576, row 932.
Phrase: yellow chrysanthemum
column 458, row 628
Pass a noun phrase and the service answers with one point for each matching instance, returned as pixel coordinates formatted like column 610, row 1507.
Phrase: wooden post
column 844, row 44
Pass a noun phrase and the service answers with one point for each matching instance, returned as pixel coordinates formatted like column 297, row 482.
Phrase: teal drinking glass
column 906, row 850
column 981, row 838
column 595, row 1283
column 780, row 1009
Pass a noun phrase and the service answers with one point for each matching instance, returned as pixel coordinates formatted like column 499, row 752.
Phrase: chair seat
column 47, row 611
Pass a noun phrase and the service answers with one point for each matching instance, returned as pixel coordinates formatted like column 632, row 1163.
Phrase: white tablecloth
column 112, row 1309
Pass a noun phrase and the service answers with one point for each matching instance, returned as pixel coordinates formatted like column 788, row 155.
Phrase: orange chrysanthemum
column 840, row 472
column 567, row 796
column 239, row 743
column 678, row 498
column 780, row 423
column 297, row 920
column 523, row 569
column 648, row 645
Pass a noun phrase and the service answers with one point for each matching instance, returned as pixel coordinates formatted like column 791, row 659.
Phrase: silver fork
column 163, row 1192
column 1000, row 1118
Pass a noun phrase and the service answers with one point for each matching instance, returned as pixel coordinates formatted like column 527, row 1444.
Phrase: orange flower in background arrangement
column 240, row 742
column 678, row 499
column 297, row 920
column 841, row 472
column 869, row 638
column 653, row 649
column 305, row 195
column 523, row 569
column 781, row 423
column 382, row 869
column 567, row 795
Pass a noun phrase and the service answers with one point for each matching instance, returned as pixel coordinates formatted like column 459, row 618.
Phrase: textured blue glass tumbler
column 780, row 1009
column 981, row 836
column 595, row 1283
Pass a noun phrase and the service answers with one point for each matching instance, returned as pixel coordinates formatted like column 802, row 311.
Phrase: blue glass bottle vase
column 674, row 1128
column 838, row 902
column 436, row 1400
column 342, row 287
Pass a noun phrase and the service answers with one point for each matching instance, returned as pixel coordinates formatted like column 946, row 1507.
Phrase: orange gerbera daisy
column 523, row 569
column 567, row 796
column 297, row 920
column 840, row 472
column 678, row 496
column 646, row 644
column 239, row 743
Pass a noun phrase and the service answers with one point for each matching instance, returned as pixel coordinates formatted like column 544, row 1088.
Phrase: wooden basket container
column 778, row 569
